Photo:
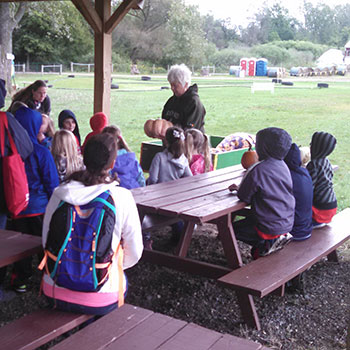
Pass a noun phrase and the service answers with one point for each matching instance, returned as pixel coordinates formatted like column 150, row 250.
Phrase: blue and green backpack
column 78, row 252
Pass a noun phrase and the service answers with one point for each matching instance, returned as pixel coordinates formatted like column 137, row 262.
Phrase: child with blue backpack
column 87, row 276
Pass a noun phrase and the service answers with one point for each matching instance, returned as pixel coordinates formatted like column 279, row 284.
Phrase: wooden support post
column 103, row 61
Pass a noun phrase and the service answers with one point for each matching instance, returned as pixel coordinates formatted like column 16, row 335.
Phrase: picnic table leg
column 229, row 242
column 332, row 256
column 185, row 240
column 247, row 306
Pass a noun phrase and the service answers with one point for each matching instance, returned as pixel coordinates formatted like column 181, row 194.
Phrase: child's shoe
column 278, row 244
column 318, row 224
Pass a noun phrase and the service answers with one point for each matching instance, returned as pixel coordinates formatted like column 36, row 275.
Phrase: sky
column 240, row 11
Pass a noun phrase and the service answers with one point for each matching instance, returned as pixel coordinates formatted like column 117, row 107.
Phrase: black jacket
column 186, row 111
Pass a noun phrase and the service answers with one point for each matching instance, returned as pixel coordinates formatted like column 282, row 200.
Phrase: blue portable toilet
column 261, row 67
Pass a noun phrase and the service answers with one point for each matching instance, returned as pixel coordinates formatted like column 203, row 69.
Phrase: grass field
column 300, row 109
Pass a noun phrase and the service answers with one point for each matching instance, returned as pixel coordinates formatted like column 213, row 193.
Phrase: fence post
column 71, row 67
column 42, row 69
column 154, row 69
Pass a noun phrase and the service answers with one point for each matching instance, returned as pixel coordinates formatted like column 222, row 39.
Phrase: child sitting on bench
column 268, row 187
column 324, row 201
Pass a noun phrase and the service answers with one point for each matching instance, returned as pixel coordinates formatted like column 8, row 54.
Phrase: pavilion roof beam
column 89, row 13
column 120, row 13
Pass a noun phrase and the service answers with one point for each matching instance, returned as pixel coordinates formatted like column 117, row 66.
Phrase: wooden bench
column 263, row 87
column 38, row 328
column 269, row 274
column 135, row 328
column 15, row 246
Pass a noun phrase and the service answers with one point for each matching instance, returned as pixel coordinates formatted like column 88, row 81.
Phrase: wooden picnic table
column 15, row 246
column 199, row 199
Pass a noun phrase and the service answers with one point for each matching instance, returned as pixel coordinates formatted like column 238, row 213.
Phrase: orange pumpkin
column 249, row 158
column 156, row 128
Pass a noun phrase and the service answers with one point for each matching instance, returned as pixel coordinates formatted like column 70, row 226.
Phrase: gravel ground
column 315, row 318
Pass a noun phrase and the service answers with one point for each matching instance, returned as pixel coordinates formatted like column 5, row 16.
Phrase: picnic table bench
column 136, row 328
column 38, row 328
column 269, row 274
column 15, row 246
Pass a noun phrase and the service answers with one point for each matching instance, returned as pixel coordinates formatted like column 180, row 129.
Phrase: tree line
column 169, row 31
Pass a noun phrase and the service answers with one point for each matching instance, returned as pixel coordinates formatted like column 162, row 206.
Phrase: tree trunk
column 10, row 15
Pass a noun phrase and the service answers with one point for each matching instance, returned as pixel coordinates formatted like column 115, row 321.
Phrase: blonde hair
column 50, row 130
column 305, row 155
column 64, row 145
column 197, row 143
column 117, row 134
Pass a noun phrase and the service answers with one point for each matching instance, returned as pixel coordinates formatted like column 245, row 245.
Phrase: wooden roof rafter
column 89, row 13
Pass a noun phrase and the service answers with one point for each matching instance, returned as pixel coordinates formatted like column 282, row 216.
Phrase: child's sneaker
column 278, row 244
column 318, row 224
column 21, row 288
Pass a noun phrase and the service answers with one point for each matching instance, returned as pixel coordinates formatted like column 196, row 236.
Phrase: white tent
column 332, row 57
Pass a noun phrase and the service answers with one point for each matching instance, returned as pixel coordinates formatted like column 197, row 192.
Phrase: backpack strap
column 4, row 126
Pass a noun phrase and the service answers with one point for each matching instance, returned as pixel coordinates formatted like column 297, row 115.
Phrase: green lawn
column 231, row 107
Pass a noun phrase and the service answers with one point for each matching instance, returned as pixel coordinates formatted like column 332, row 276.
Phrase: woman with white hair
column 184, row 108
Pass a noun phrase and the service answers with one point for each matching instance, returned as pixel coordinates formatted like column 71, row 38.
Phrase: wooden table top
column 15, row 246
column 132, row 327
column 198, row 198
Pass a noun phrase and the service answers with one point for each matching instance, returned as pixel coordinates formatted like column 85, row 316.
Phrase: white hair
column 179, row 73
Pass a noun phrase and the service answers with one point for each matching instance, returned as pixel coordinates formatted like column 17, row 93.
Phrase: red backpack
column 13, row 172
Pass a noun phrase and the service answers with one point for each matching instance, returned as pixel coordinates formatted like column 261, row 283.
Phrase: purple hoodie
column 267, row 185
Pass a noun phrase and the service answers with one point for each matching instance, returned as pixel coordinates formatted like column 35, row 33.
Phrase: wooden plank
column 38, row 328
column 266, row 274
column 196, row 180
column 211, row 210
column 107, row 329
column 15, row 246
column 185, row 264
column 184, row 193
column 228, row 342
column 192, row 337
column 150, row 334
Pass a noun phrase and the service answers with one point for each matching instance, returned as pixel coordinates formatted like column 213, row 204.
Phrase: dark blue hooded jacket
column 67, row 113
column 21, row 139
column 40, row 167
column 267, row 185
column 303, row 194
column 128, row 170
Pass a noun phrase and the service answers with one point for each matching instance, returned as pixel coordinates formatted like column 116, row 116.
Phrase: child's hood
column 76, row 193
column 98, row 121
column 272, row 142
column 322, row 144
column 180, row 162
column 293, row 158
column 66, row 113
column 31, row 121
column 125, row 161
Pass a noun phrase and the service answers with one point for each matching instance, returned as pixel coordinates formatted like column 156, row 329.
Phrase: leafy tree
column 188, row 43
column 219, row 32
column 320, row 23
column 10, row 16
column 142, row 35
column 53, row 32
